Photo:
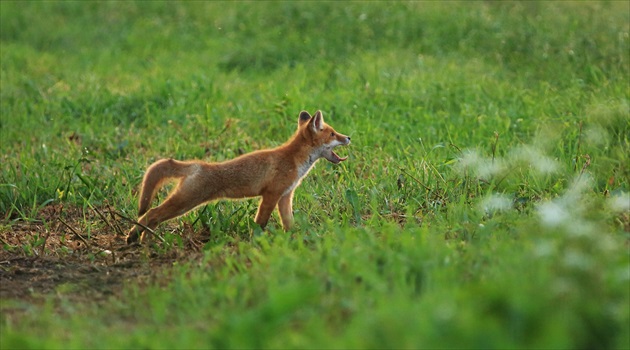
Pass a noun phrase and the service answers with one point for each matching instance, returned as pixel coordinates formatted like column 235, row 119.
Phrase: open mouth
column 333, row 157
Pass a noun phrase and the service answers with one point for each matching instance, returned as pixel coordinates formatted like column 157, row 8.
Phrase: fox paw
column 132, row 238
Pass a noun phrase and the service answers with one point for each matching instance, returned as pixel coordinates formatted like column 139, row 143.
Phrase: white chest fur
column 302, row 170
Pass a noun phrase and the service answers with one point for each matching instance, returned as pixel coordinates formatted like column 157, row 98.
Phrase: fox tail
column 155, row 177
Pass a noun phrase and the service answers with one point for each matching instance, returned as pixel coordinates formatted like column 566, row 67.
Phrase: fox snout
column 338, row 140
column 343, row 139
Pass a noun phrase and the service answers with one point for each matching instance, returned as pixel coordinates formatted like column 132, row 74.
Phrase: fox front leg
column 268, row 203
column 285, row 208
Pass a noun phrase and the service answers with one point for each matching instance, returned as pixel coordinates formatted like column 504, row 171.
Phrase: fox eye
column 332, row 134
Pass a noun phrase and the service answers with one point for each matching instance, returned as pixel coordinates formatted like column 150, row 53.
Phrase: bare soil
column 79, row 253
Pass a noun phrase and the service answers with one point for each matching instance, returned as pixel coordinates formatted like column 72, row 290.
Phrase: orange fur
column 272, row 173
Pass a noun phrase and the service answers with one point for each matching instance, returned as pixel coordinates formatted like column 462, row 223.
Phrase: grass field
column 485, row 202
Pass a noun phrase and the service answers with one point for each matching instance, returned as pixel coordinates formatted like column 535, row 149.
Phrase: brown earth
column 79, row 253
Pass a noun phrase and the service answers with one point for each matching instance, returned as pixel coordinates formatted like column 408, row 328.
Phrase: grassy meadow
column 485, row 202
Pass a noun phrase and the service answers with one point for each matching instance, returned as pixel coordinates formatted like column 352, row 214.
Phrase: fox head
column 321, row 136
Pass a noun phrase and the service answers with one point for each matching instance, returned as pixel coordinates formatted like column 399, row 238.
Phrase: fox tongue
column 339, row 158
column 334, row 158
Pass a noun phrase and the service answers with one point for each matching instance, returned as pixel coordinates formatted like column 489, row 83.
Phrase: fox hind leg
column 134, row 234
column 156, row 175
column 184, row 198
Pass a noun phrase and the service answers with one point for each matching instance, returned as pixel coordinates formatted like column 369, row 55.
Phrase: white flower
column 619, row 203
column 496, row 203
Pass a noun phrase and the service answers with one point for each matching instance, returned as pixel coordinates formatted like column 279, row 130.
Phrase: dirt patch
column 29, row 278
column 80, row 253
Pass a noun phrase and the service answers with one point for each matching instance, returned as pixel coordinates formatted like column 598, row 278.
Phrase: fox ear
column 317, row 122
column 304, row 117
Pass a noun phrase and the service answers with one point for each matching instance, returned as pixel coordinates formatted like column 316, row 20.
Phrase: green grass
column 484, row 203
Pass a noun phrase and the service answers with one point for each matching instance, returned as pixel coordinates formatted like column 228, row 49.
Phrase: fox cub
column 271, row 173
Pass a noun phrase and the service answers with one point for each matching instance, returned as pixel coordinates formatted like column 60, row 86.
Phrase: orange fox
column 272, row 173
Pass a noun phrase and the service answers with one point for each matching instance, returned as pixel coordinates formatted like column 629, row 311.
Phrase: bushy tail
column 157, row 174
